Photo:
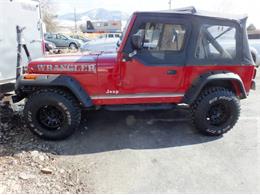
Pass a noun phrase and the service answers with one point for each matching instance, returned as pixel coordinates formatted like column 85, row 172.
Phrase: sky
column 249, row 7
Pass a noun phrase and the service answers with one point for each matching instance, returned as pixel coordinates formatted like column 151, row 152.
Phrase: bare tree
column 49, row 16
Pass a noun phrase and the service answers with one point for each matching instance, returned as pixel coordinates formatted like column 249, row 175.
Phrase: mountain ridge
column 96, row 14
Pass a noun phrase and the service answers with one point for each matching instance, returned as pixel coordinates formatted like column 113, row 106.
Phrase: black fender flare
column 199, row 83
column 55, row 81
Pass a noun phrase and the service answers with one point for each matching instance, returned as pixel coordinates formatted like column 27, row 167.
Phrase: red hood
column 71, row 63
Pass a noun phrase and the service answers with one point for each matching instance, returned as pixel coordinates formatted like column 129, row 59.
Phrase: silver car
column 63, row 41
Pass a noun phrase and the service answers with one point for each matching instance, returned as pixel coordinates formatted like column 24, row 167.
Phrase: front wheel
column 216, row 111
column 73, row 46
column 52, row 114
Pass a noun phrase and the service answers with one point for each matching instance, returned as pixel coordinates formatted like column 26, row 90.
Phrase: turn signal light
column 29, row 77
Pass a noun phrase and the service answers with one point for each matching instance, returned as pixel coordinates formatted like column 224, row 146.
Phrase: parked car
column 49, row 46
column 104, row 44
column 63, row 41
column 254, row 44
column 84, row 39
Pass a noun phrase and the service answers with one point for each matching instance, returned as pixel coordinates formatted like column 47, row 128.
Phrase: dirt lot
column 134, row 152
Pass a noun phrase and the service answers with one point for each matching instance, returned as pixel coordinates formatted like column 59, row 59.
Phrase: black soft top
column 194, row 12
column 244, row 57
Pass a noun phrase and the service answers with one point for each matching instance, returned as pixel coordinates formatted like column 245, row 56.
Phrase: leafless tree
column 49, row 15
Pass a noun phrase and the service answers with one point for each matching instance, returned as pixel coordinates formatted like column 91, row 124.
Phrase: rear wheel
column 52, row 114
column 216, row 111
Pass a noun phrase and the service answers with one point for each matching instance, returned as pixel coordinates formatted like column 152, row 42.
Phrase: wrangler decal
column 67, row 67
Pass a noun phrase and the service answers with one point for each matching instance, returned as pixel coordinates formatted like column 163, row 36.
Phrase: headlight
column 52, row 45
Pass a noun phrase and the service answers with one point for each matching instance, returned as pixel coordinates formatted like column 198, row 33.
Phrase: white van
column 25, row 13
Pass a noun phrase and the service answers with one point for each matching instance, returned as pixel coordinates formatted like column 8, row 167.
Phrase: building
column 110, row 26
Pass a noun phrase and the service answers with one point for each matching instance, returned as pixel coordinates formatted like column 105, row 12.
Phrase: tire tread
column 218, row 92
column 75, row 111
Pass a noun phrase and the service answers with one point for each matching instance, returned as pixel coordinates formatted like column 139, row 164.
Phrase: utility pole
column 75, row 22
column 170, row 4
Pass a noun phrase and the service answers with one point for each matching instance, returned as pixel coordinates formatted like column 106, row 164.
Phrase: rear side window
column 216, row 42
column 163, row 37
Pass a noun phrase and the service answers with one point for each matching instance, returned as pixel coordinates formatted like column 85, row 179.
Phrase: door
column 52, row 38
column 157, row 68
column 61, row 41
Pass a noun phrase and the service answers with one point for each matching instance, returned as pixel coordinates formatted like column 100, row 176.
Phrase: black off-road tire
column 208, row 100
column 66, row 109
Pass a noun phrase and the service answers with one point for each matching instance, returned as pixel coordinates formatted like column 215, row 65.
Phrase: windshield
column 126, row 27
column 124, row 31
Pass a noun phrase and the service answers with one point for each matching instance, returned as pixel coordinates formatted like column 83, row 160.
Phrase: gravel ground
column 31, row 165
column 133, row 152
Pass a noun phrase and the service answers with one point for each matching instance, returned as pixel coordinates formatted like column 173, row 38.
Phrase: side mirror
column 137, row 40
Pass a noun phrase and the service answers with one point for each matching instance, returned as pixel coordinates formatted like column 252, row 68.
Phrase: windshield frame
column 126, row 27
column 126, row 32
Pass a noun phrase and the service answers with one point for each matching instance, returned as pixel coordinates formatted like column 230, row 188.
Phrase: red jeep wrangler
column 164, row 59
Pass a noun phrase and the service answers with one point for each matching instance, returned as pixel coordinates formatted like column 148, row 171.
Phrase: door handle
column 172, row 72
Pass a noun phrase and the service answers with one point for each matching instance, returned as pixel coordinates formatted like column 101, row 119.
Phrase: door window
column 61, row 37
column 163, row 43
column 164, row 37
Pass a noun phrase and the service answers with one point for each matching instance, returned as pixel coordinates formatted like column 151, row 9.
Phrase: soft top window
column 216, row 42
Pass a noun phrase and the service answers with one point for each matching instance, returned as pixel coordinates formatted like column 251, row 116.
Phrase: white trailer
column 25, row 13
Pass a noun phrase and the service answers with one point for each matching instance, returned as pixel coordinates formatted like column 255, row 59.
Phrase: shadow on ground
column 103, row 131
